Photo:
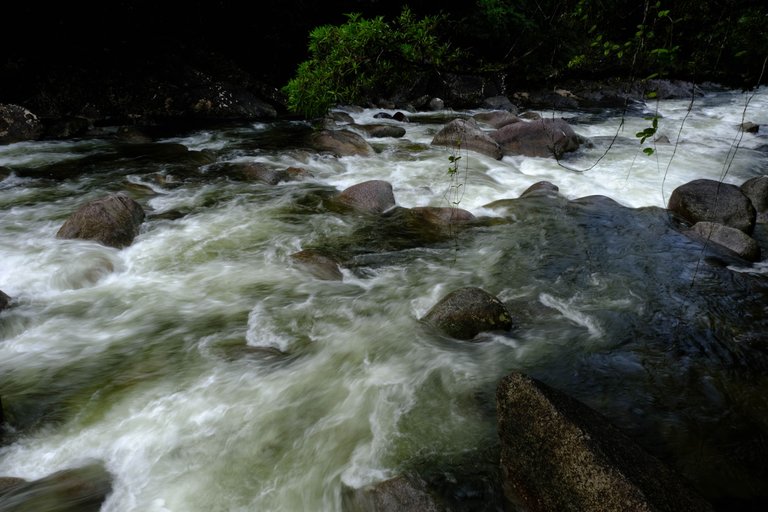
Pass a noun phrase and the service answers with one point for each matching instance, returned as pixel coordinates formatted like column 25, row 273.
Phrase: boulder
column 443, row 215
column 466, row 312
column 709, row 200
column 382, row 130
column 4, row 172
column 541, row 188
column 749, row 127
column 5, row 300
column 18, row 124
column 341, row 143
column 500, row 102
column 557, row 454
column 113, row 220
column 756, row 189
column 497, row 118
column 373, row 196
column 436, row 104
column 8, row 483
column 730, row 238
column 82, row 489
column 543, row 137
column 318, row 264
column 467, row 134
column 398, row 494
column 399, row 116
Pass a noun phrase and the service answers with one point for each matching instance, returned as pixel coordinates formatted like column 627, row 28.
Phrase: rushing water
column 207, row 372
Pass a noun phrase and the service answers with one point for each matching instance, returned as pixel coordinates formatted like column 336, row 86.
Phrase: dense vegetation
column 537, row 41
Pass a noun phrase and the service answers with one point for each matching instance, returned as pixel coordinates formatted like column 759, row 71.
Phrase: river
column 210, row 373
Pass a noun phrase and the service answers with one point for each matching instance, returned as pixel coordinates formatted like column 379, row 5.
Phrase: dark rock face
column 466, row 312
column 18, row 124
column 318, row 264
column 399, row 494
column 113, row 221
column 374, row 196
column 709, row 200
column 5, row 301
column 81, row 489
column 731, row 238
column 382, row 130
column 341, row 143
column 559, row 455
column 544, row 137
column 756, row 189
column 467, row 134
column 750, row 127
column 443, row 216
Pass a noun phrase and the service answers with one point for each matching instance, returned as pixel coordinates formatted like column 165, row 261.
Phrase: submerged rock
column 113, row 221
column 341, row 143
column 398, row 494
column 731, row 238
column 82, row 489
column 466, row 312
column 373, row 196
column 713, row 201
column 318, row 264
column 18, row 124
column 467, row 134
column 557, row 454
column 543, row 138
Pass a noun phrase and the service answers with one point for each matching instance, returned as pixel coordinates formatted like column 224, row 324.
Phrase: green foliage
column 365, row 58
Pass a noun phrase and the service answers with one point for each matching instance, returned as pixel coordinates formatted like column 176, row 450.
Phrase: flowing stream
column 210, row 373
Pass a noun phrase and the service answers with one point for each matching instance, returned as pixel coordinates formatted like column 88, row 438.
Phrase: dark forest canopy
column 531, row 41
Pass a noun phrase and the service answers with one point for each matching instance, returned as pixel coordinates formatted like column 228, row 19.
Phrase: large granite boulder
column 113, row 221
column 381, row 130
column 467, row 134
column 558, row 455
column 18, row 124
column 341, row 143
column 398, row 494
column 732, row 239
column 542, row 137
column 82, row 489
column 756, row 189
column 466, row 312
column 713, row 201
column 373, row 196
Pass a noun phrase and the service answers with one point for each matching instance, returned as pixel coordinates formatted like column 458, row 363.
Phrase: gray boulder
column 398, row 494
column 466, row 312
column 18, row 124
column 541, row 188
column 318, row 264
column 341, row 143
column 373, row 196
column 382, row 130
column 709, row 200
column 467, row 134
column 756, row 189
column 542, row 137
column 500, row 102
column 557, row 454
column 113, row 221
column 731, row 238
column 497, row 118
column 82, row 489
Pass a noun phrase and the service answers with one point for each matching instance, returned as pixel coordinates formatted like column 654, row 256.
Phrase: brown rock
column 399, row 494
column 81, row 489
column 341, row 143
column 466, row 312
column 709, row 200
column 374, row 196
column 543, row 138
column 113, row 221
column 467, row 134
column 318, row 264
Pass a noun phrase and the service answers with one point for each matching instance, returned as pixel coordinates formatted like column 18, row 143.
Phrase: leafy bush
column 365, row 58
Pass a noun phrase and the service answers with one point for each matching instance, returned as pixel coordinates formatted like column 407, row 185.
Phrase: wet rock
column 5, row 300
column 318, row 264
column 436, row 104
column 341, row 143
column 399, row 116
column 8, row 483
column 543, row 138
column 82, row 489
column 557, row 454
column 756, row 189
column 340, row 117
column 709, row 200
column 749, row 127
column 499, row 103
column 374, row 196
column 382, row 115
column 541, row 188
column 398, row 494
column 730, row 238
column 113, row 221
column 4, row 172
column 382, row 130
column 18, row 124
column 467, row 134
column 661, row 139
column 466, row 312
column 496, row 118
column 298, row 173
column 443, row 215
column 530, row 115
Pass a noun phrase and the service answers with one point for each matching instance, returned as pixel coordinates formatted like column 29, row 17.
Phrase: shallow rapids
column 209, row 373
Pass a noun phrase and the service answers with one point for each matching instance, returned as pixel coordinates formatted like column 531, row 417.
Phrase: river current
column 208, row 372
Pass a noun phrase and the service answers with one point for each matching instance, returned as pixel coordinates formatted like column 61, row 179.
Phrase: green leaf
column 648, row 151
